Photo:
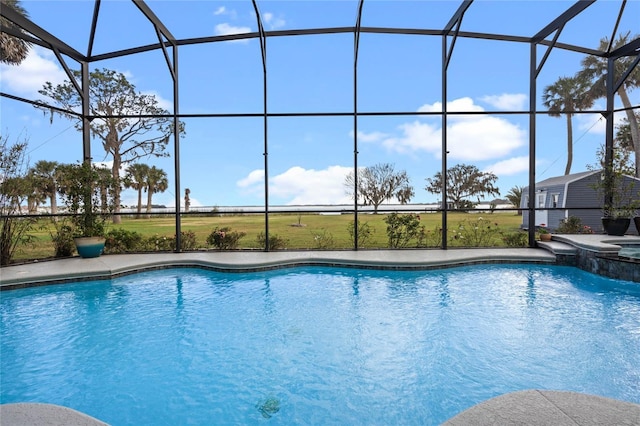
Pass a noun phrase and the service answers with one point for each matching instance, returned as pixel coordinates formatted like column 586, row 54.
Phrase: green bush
column 158, row 243
column 122, row 241
column 275, row 241
column 475, row 233
column 404, row 229
column 433, row 238
column 188, row 240
column 323, row 239
column 573, row 225
column 62, row 238
column 365, row 232
column 516, row 239
column 224, row 238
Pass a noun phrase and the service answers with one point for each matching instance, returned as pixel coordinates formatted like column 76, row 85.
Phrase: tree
column 156, row 181
column 515, row 197
column 14, row 230
column 130, row 124
column 13, row 50
column 594, row 70
column 135, row 178
column 565, row 96
column 464, row 181
column 379, row 183
column 623, row 133
column 44, row 175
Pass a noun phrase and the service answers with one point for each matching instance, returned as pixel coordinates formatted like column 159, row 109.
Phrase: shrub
column 62, row 238
column 573, row 225
column 364, row 232
column 188, row 240
column 158, row 243
column 122, row 241
column 515, row 239
column 433, row 238
column 275, row 241
column 475, row 233
column 323, row 240
column 224, row 238
column 402, row 229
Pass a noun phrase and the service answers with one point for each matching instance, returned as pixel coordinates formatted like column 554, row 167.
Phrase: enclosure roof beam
column 48, row 38
column 155, row 20
column 561, row 20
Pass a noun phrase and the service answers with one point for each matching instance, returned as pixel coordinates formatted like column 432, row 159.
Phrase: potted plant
column 545, row 235
column 620, row 204
column 87, row 192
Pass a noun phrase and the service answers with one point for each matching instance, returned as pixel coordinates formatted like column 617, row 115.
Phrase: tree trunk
column 54, row 203
column 567, row 169
column 633, row 126
column 115, row 173
column 149, row 195
column 139, row 202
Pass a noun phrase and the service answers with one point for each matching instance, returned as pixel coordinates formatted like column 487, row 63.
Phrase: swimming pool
column 317, row 345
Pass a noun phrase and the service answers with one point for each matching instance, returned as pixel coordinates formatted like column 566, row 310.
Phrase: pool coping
column 114, row 265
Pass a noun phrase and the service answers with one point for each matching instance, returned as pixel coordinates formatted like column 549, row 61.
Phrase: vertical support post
column 445, row 63
column 609, row 132
column 533, row 73
column 86, row 120
column 176, row 145
column 356, row 46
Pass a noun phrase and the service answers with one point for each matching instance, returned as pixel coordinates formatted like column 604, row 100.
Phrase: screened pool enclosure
column 282, row 104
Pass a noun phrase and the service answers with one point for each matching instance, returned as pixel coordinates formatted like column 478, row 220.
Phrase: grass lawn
column 302, row 231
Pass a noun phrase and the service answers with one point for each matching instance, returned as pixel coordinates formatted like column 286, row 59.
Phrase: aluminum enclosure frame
column 169, row 45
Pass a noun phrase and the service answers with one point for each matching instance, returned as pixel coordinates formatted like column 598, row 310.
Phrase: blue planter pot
column 89, row 246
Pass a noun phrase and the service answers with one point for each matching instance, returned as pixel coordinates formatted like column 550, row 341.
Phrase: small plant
column 87, row 191
column 515, row 239
column 188, row 240
column 62, row 238
column 475, row 233
column 433, row 238
column 275, row 241
column 225, row 238
column 122, row 241
column 573, row 225
column 403, row 229
column 365, row 232
column 323, row 240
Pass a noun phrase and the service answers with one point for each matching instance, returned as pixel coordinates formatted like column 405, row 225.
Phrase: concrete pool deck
column 528, row 407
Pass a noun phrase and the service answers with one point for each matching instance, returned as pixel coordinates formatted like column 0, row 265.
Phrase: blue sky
column 222, row 158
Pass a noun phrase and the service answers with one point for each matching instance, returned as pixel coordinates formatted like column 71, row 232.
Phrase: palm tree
column 44, row 174
column 566, row 96
column 594, row 70
column 156, row 181
column 515, row 197
column 13, row 50
column 135, row 178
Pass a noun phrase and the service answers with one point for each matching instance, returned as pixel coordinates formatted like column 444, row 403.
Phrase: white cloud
column 220, row 11
column 509, row 167
column 369, row 137
column 299, row 186
column 507, row 101
column 469, row 137
column 26, row 79
column 465, row 104
column 227, row 29
column 273, row 22
column 162, row 102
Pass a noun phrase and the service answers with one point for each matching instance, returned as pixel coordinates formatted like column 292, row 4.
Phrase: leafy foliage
column 62, row 238
column 379, row 183
column 403, row 230
column 224, row 238
column 275, row 241
column 323, row 239
column 13, row 50
column 464, row 181
column 365, row 232
column 14, row 189
column 573, row 225
column 122, row 241
column 515, row 197
column 515, row 239
column 475, row 233
column 130, row 125
column 88, row 192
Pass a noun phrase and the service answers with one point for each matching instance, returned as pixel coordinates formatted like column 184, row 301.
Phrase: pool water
column 317, row 345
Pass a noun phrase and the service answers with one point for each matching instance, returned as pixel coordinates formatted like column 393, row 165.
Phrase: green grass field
column 304, row 231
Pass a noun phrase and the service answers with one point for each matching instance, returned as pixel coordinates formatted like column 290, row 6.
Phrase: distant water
column 317, row 345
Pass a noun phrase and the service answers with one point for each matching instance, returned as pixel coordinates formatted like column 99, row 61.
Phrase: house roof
column 562, row 180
